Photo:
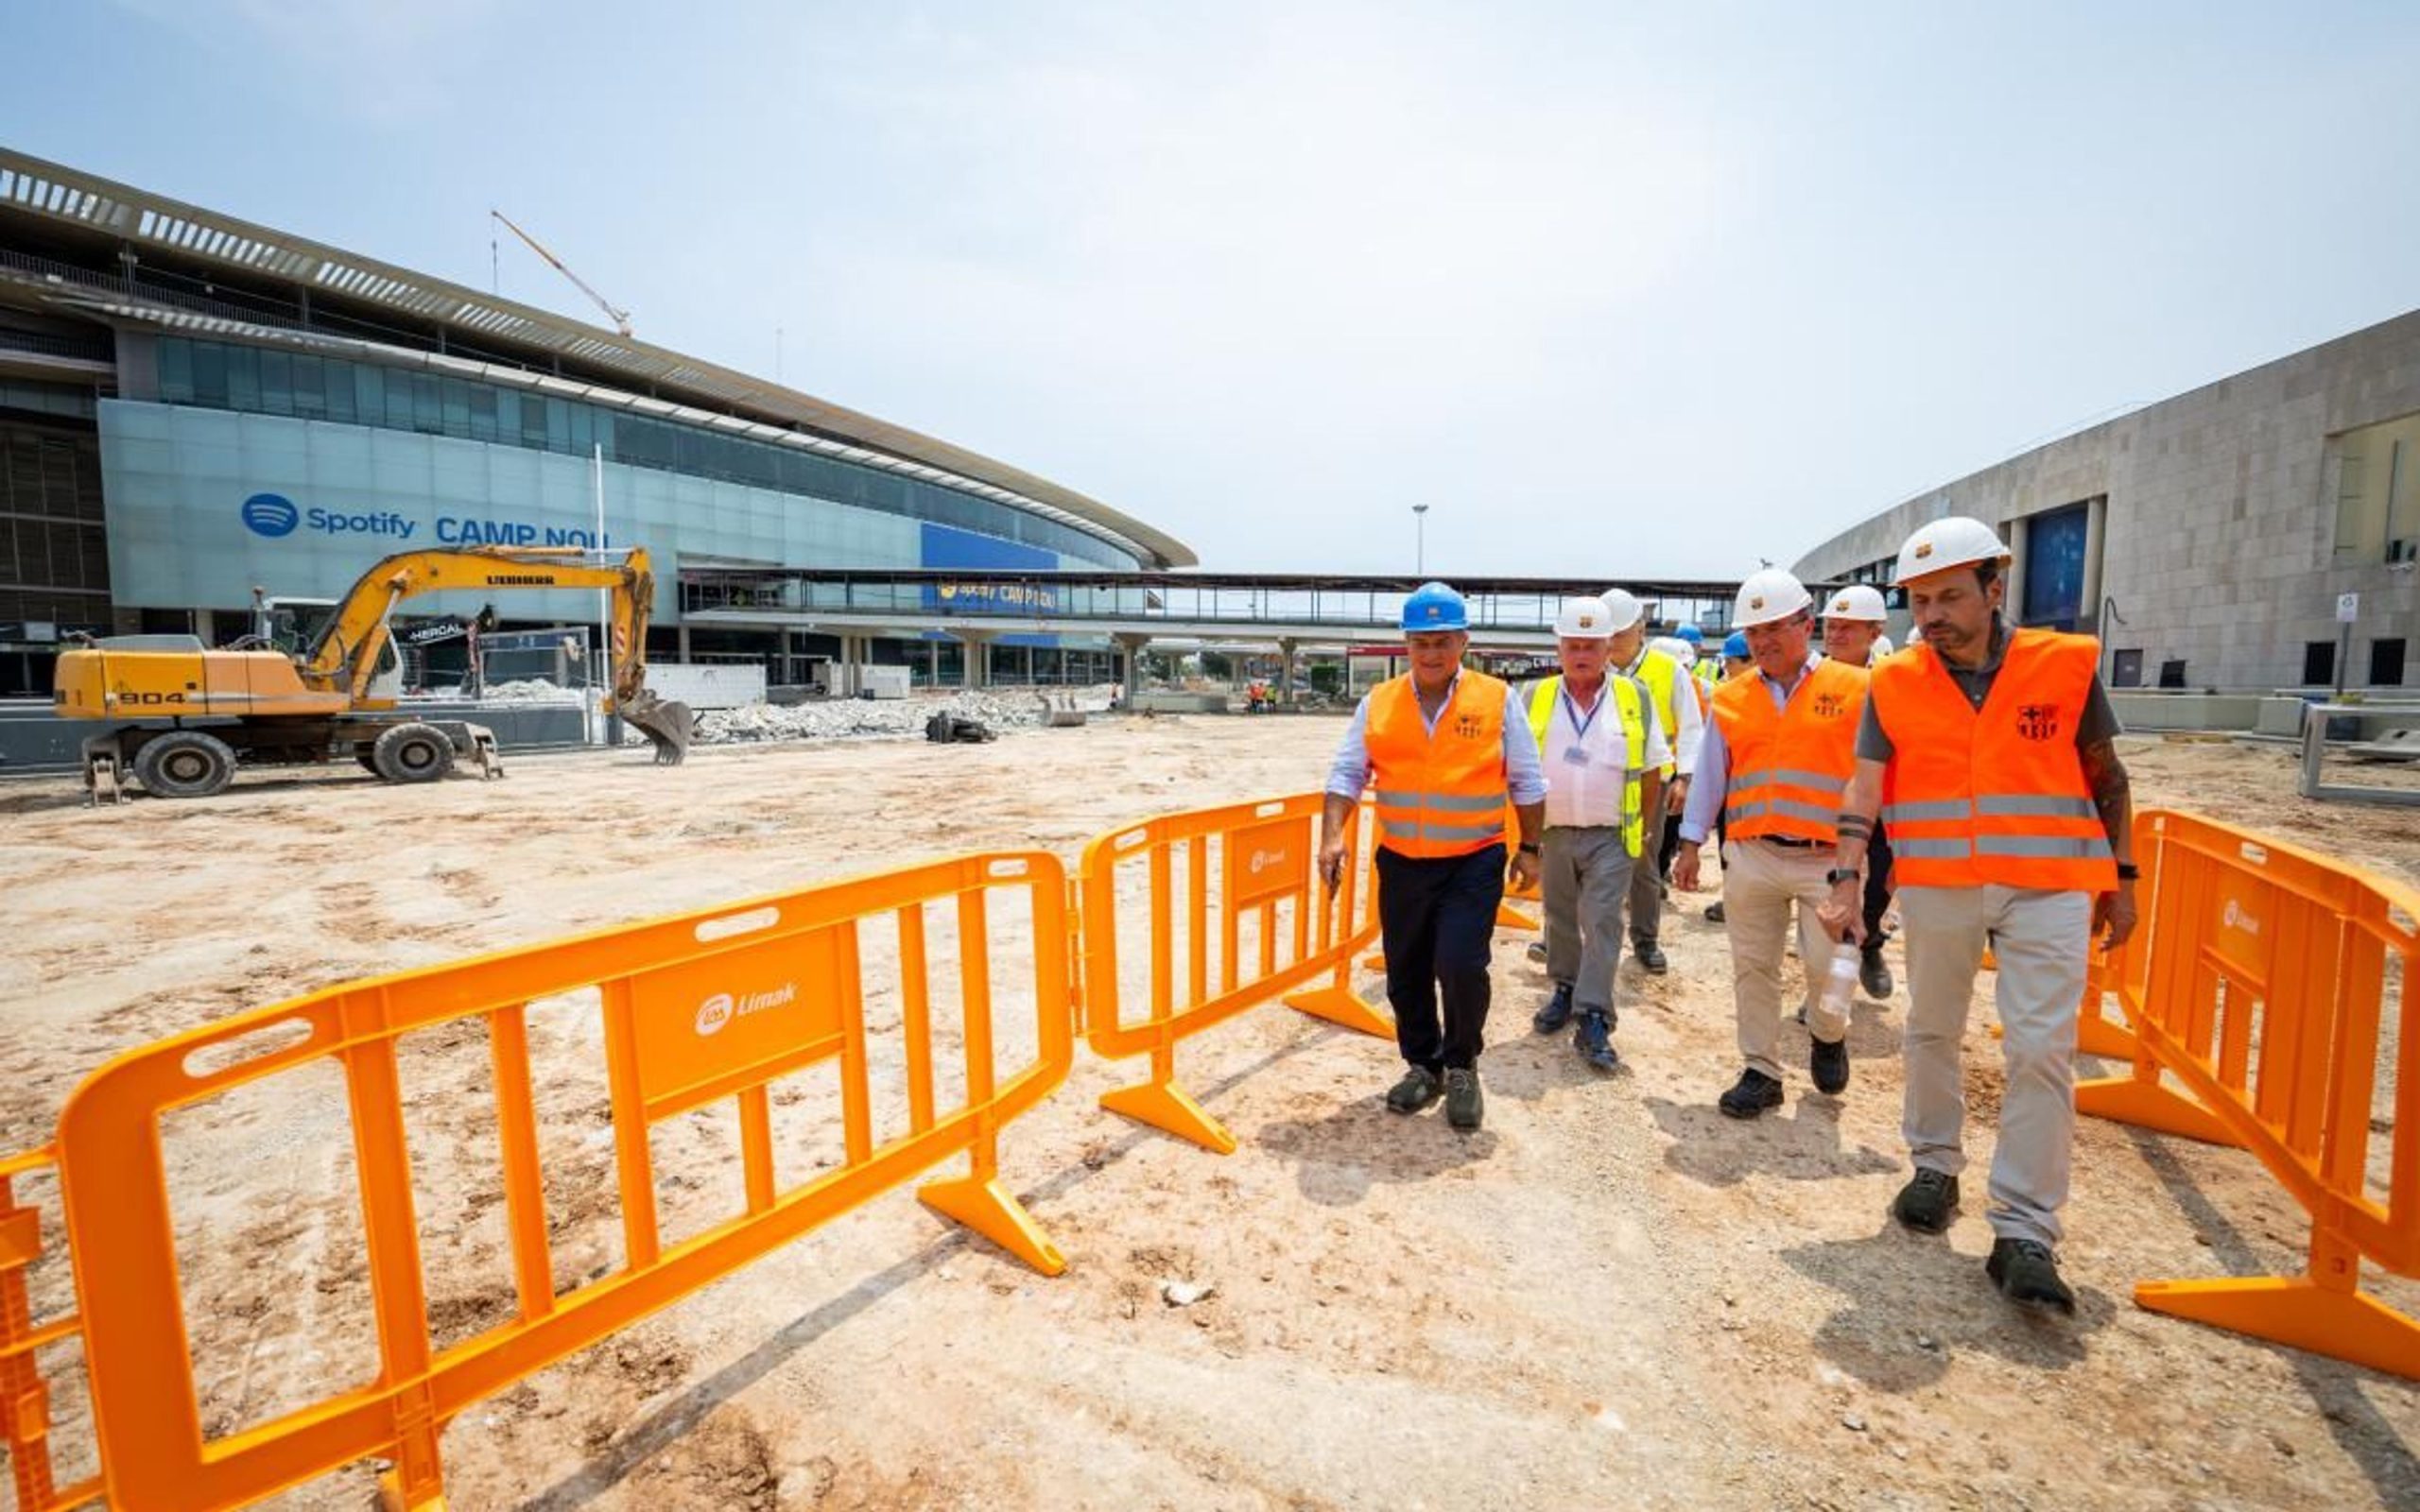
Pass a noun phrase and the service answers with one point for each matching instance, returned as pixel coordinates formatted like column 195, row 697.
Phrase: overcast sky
column 1630, row 290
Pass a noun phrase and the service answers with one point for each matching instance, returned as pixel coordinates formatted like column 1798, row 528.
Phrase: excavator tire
column 412, row 753
column 184, row 764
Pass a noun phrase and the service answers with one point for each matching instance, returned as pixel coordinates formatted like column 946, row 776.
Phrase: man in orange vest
column 1987, row 753
column 1447, row 749
column 1853, row 623
column 1779, row 752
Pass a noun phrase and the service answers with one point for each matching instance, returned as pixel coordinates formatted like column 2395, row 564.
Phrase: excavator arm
column 346, row 655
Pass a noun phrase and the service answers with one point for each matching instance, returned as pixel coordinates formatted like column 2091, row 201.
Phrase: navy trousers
column 1437, row 918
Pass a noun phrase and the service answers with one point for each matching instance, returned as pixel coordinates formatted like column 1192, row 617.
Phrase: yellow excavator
column 202, row 711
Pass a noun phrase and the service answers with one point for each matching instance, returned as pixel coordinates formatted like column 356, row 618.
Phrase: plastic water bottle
column 1840, row 983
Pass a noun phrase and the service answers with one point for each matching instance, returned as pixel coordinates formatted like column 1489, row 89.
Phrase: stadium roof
column 82, row 204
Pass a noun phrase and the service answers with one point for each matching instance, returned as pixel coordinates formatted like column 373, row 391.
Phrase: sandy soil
column 1611, row 1295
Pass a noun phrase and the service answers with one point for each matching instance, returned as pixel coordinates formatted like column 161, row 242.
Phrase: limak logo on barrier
column 722, row 1008
column 275, row 516
column 1269, row 860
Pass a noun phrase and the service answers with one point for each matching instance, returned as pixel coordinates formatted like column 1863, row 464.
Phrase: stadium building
column 2259, row 534
column 192, row 405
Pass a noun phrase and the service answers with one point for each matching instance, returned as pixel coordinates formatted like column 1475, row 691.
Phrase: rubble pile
column 888, row 718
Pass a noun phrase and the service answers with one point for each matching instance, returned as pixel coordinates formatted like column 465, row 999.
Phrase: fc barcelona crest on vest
column 2037, row 721
column 1830, row 706
column 1468, row 726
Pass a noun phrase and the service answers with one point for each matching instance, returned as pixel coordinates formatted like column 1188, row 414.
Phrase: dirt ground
column 1609, row 1297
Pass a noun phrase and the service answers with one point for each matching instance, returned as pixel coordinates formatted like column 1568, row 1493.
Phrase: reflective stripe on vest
column 1442, row 793
column 1631, row 706
column 1996, row 795
column 1660, row 676
column 1788, row 764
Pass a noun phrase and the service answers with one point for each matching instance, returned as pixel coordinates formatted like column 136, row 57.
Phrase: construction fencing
column 2261, row 984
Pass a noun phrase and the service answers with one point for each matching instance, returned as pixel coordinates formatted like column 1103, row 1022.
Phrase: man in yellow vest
column 1676, row 709
column 1773, row 766
column 2011, row 820
column 1602, row 751
column 1447, row 749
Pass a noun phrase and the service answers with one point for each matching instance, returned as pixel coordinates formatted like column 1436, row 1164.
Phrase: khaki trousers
column 2041, row 940
column 1760, row 882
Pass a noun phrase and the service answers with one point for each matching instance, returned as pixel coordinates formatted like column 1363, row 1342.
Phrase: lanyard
column 1571, row 710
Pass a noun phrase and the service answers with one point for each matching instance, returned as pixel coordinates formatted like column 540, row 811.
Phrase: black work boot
column 1872, row 972
column 1650, row 957
column 1536, row 952
column 1827, row 1062
column 1556, row 1013
column 2028, row 1273
column 1714, row 912
column 1927, row 1202
column 1594, row 1039
column 1463, row 1105
column 1755, row 1092
column 1418, row 1089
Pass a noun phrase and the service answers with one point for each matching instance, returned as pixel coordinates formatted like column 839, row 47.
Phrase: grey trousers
column 2041, row 940
column 1646, row 885
column 1588, row 872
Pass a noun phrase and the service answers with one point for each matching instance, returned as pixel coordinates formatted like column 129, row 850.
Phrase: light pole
column 1419, row 540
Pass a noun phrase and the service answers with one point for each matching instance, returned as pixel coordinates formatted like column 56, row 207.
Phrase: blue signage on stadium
column 274, row 515
column 270, row 514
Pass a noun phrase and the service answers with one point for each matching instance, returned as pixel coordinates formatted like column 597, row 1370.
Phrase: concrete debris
column 999, row 709
column 1185, row 1294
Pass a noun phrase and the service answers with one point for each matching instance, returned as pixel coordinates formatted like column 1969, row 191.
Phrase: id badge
column 1574, row 756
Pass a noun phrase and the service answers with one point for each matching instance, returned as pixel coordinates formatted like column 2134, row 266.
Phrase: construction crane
column 620, row 317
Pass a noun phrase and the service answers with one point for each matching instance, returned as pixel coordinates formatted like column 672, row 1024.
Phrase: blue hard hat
column 1736, row 644
column 1691, row 634
column 1434, row 607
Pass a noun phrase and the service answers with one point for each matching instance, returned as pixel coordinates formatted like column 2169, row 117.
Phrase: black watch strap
column 2127, row 872
column 1840, row 874
column 1529, row 845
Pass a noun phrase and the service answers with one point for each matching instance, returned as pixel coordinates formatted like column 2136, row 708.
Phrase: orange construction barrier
column 1266, row 858
column 697, row 1008
column 2259, row 981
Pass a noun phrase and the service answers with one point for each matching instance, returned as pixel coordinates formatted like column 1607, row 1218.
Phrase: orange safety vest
column 1788, row 764
column 1443, row 795
column 1996, row 795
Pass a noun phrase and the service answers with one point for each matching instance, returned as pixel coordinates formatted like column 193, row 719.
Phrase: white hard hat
column 1952, row 542
column 1673, row 646
column 1857, row 602
column 1626, row 608
column 1882, row 646
column 1769, row 595
column 1585, row 619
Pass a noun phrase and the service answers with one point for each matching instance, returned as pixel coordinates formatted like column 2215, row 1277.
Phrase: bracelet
column 2127, row 872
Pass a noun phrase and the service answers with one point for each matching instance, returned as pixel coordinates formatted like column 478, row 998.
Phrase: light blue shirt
column 1524, row 775
column 1711, row 782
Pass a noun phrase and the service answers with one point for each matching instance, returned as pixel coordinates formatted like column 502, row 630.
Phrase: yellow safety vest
column 1633, row 716
column 1662, row 676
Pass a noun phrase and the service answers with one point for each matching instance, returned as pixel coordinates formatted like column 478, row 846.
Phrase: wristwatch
column 1840, row 874
column 2127, row 872
column 1528, row 847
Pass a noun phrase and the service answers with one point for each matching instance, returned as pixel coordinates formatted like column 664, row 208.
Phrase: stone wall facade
column 2213, row 532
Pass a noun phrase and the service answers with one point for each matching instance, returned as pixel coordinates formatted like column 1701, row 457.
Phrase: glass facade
column 262, row 381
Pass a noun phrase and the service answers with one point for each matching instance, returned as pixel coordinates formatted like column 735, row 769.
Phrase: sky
column 1640, row 291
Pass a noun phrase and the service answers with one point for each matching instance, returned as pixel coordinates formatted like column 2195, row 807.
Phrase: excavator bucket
column 666, row 723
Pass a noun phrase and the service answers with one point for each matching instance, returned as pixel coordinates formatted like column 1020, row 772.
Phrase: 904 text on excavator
column 202, row 711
